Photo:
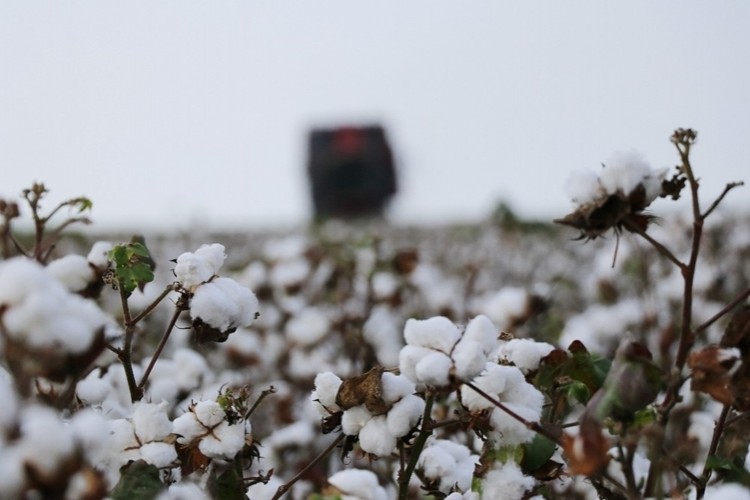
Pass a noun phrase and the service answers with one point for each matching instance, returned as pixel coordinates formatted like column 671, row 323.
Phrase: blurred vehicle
column 351, row 170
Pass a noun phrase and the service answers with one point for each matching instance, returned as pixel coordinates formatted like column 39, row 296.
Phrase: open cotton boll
column 184, row 491
column 623, row 171
column 224, row 304
column 150, row 421
column 375, row 438
column 526, row 354
column 158, row 454
column 404, row 415
column 19, row 277
column 382, row 330
column 448, row 462
column 492, row 381
column 45, row 441
column 482, row 330
column 187, row 427
column 224, row 441
column 289, row 273
column 191, row 270
column 91, row 430
column 99, row 254
column 395, row 387
column 583, row 187
column 437, row 333
column 308, row 327
column 358, row 484
column 214, row 254
column 209, row 413
column 505, row 306
column 408, row 358
column 727, row 491
column 507, row 431
column 469, row 358
column 73, row 271
column 384, row 285
column 434, row 369
column 326, row 388
column 506, row 481
column 354, row 419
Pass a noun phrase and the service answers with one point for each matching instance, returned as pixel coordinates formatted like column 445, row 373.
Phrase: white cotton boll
column 46, row 442
column 382, row 330
column 492, row 381
column 507, row 431
column 158, row 454
column 73, row 271
column 190, row 369
column 384, row 285
column 354, row 419
column 482, row 330
column 395, row 387
column 583, row 187
column 224, row 304
column 506, row 481
column 214, row 254
column 437, row 333
column 91, row 430
column 434, row 369
column 254, row 276
column 357, row 483
column 12, row 475
column 526, row 354
column 623, row 171
column 192, row 270
column 524, row 394
column 19, row 277
column 289, row 273
column 224, row 441
column 326, row 388
column 297, row 434
column 187, row 427
column 308, row 327
column 727, row 491
column 285, row 248
column 122, row 435
column 505, row 306
column 375, row 438
column 99, row 254
column 437, row 463
column 150, row 421
column 469, row 358
column 209, row 413
column 260, row 491
column 404, row 415
column 184, row 491
column 408, row 358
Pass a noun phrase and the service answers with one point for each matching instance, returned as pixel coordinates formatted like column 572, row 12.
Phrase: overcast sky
column 196, row 112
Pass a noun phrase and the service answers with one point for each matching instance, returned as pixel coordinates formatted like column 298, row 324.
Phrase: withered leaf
column 364, row 389
column 587, row 452
column 711, row 371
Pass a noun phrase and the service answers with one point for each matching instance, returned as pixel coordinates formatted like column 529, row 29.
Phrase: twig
column 718, row 431
column 715, row 204
column 284, row 488
column 634, row 228
column 533, row 426
column 153, row 304
column 179, row 307
column 424, row 432
column 266, row 392
column 742, row 296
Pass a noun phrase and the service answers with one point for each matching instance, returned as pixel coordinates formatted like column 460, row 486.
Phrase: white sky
column 196, row 112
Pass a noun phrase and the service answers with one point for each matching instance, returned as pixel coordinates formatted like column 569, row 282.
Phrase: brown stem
column 424, row 432
column 718, row 431
column 533, row 426
column 635, row 228
column 284, row 488
column 153, row 304
column 742, row 296
column 179, row 307
column 715, row 204
column 263, row 395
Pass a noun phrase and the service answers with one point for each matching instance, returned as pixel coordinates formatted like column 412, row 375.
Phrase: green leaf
column 227, row 486
column 133, row 266
column 537, row 453
column 83, row 204
column 138, row 481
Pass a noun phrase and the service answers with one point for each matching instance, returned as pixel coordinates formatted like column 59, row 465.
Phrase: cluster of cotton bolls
column 448, row 464
column 437, row 350
column 42, row 314
column 622, row 174
column 398, row 411
column 217, row 301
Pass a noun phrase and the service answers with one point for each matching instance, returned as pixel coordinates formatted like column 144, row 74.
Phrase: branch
column 742, row 296
column 635, row 228
column 179, row 307
column 416, row 450
column 715, row 204
column 284, row 488
column 718, row 431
